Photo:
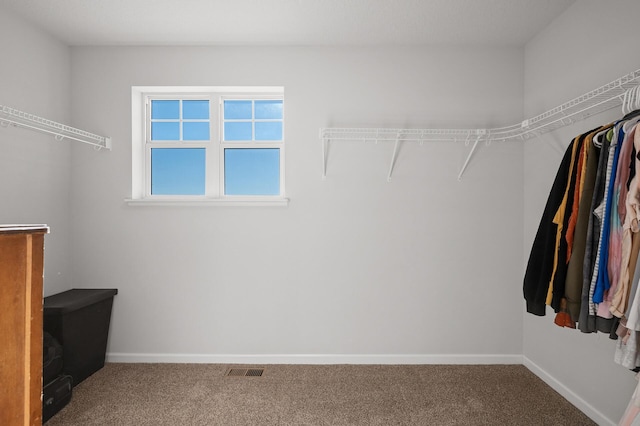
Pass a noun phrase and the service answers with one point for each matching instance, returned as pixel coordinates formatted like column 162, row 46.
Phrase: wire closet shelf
column 17, row 118
column 594, row 102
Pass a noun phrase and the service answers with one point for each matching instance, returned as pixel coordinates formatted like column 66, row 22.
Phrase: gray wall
column 591, row 44
column 356, row 267
column 34, row 167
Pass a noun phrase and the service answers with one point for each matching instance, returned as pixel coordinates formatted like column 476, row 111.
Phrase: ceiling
column 290, row 22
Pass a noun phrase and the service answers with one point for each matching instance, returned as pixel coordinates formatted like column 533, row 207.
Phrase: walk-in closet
column 349, row 203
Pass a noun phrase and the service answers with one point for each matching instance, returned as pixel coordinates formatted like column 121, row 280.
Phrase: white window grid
column 214, row 183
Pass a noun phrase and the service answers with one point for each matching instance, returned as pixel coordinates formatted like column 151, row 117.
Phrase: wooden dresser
column 21, row 275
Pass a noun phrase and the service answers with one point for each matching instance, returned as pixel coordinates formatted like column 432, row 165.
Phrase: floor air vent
column 245, row 372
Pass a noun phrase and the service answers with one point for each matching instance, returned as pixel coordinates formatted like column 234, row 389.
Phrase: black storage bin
column 51, row 358
column 79, row 319
column 55, row 396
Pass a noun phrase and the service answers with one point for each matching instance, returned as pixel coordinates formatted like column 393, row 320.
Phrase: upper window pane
column 238, row 131
column 269, row 109
column 253, row 120
column 180, row 120
column 195, row 110
column 238, row 110
column 195, row 131
column 269, row 131
column 165, row 110
column 165, row 131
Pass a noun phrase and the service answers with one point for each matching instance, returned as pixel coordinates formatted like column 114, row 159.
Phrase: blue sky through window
column 165, row 110
column 165, row 131
column 268, row 130
column 195, row 131
column 259, row 120
column 178, row 171
column 180, row 136
column 237, row 110
column 237, row 131
column 252, row 171
column 174, row 120
column 269, row 109
column 195, row 110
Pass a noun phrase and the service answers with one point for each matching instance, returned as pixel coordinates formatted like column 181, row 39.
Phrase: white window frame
column 214, row 186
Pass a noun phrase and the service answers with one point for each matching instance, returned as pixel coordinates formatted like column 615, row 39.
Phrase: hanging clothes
column 555, row 291
column 617, row 218
column 584, row 252
column 600, row 277
column 541, row 260
column 578, row 235
column 630, row 243
column 631, row 319
column 585, row 257
column 604, row 212
column 587, row 319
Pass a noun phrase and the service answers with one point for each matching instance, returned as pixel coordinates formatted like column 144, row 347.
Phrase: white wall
column 591, row 44
column 424, row 265
column 34, row 167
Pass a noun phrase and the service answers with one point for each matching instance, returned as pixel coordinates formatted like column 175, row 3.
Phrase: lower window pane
column 252, row 171
column 178, row 171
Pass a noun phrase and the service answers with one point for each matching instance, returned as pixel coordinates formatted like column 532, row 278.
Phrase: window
column 208, row 145
column 252, row 132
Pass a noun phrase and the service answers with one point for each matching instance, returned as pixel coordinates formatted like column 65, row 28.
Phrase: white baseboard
column 568, row 394
column 313, row 359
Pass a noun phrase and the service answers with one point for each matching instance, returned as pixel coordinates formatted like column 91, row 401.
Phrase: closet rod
column 596, row 101
column 59, row 131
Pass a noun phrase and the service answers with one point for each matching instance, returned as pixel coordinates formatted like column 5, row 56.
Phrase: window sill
column 208, row 202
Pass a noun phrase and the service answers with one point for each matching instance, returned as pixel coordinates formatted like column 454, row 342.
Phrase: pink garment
column 630, row 416
column 620, row 299
column 633, row 303
column 619, row 194
column 625, row 171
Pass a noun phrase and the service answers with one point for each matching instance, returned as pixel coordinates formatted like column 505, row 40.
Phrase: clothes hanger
column 632, row 108
column 629, row 124
column 598, row 138
column 631, row 99
column 625, row 101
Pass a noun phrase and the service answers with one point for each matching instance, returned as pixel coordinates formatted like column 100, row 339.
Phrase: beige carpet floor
column 202, row 394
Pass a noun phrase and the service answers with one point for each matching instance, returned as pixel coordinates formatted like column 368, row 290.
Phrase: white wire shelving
column 17, row 118
column 594, row 102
